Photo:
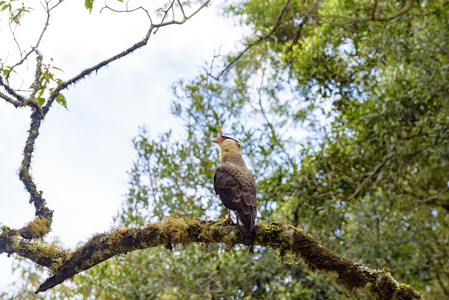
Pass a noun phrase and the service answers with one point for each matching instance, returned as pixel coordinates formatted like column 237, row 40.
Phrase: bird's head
column 226, row 141
column 229, row 148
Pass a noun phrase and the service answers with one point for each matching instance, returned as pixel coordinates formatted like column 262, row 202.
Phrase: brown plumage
column 235, row 185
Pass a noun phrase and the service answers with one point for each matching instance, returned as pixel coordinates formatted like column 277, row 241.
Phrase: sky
column 83, row 153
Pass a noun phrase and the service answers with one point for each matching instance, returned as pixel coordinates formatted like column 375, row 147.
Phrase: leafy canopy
column 345, row 123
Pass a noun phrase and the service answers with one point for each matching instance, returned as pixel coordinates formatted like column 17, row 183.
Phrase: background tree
column 365, row 83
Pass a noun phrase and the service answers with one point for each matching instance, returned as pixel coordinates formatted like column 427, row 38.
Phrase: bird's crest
column 238, row 142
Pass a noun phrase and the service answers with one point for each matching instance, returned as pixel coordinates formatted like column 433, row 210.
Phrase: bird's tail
column 249, row 229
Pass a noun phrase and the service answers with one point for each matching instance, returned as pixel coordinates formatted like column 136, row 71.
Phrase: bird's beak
column 214, row 140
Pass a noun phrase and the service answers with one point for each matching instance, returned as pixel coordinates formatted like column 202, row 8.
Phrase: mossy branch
column 287, row 240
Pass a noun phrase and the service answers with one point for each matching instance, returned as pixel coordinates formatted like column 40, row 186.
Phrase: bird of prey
column 235, row 185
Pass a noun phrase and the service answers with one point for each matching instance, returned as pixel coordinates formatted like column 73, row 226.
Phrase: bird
column 234, row 184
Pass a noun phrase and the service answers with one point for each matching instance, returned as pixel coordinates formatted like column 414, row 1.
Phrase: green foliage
column 47, row 83
column 371, row 178
column 61, row 100
column 4, row 5
column 89, row 4
column 191, row 273
column 16, row 11
column 376, row 187
column 346, row 129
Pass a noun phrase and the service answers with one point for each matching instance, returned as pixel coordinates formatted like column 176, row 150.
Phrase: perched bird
column 235, row 185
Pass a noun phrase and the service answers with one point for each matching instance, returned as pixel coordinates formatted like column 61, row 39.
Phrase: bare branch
column 33, row 49
column 127, row 10
column 15, row 41
column 35, row 251
column 16, row 103
column 298, row 31
column 170, row 7
column 277, row 23
column 48, row 9
column 182, row 8
column 368, row 177
column 24, row 173
column 372, row 17
column 261, row 39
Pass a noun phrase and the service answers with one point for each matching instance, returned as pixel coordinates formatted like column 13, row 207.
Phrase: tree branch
column 11, row 100
column 277, row 23
column 42, row 211
column 36, row 251
column 18, row 98
column 33, row 49
column 287, row 240
column 372, row 17
column 368, row 177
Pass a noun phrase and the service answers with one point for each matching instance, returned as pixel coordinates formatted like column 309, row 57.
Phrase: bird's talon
column 227, row 220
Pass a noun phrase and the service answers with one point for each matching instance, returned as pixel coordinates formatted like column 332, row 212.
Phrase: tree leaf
column 61, row 100
column 89, row 4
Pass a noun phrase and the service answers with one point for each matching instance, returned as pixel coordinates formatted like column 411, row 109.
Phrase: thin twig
column 372, row 17
column 277, row 23
column 127, row 10
column 366, row 179
column 270, row 125
column 47, row 23
column 299, row 30
column 166, row 12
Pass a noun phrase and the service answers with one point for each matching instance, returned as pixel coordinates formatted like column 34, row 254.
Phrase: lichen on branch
column 287, row 240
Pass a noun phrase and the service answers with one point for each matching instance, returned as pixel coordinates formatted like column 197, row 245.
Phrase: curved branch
column 277, row 23
column 42, row 211
column 372, row 17
column 35, row 251
column 287, row 240
column 261, row 39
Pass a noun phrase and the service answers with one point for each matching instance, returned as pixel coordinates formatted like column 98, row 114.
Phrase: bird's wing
column 237, row 191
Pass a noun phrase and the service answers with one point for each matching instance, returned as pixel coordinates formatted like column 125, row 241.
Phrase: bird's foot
column 227, row 220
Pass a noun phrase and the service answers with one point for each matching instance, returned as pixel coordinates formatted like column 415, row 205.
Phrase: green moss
column 383, row 286
column 407, row 292
column 270, row 235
